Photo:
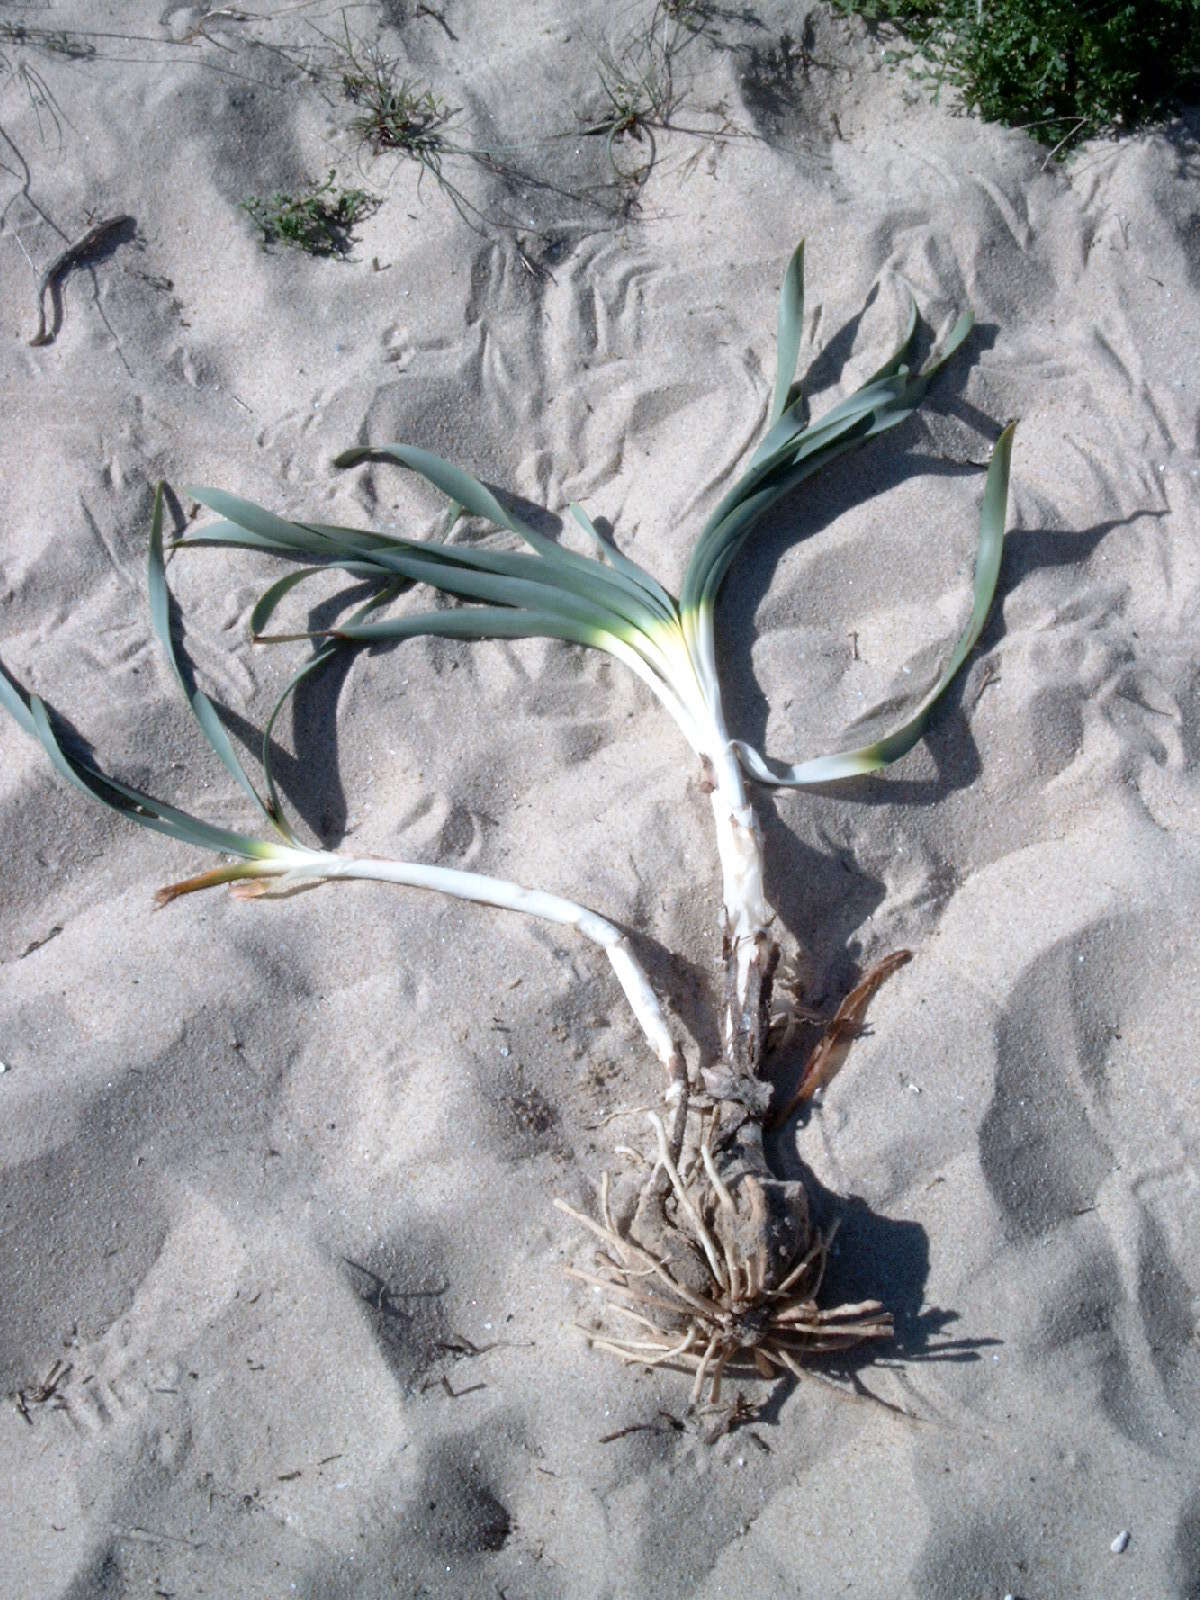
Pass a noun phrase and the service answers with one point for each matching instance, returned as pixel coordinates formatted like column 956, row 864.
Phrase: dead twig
column 62, row 264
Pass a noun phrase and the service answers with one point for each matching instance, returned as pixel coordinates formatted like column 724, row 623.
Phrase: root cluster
column 711, row 1298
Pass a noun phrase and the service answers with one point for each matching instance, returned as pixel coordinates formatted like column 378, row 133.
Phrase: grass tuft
column 397, row 115
column 393, row 112
column 638, row 82
column 400, row 116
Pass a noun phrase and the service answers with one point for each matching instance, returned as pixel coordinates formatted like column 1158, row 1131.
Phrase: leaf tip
column 172, row 892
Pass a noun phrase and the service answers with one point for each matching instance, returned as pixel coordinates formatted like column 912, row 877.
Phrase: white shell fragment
column 1119, row 1544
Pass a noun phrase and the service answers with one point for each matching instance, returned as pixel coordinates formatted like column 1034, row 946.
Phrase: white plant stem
column 747, row 916
column 295, row 867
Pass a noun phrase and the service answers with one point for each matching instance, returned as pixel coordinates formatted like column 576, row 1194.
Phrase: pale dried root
column 739, row 1324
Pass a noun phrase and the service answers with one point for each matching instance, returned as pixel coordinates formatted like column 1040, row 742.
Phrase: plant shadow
column 309, row 777
column 877, row 1258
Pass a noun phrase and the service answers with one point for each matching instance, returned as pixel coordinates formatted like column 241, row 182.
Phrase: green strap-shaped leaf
column 717, row 546
column 891, row 394
column 881, row 752
column 548, row 597
column 876, row 406
column 466, row 491
column 353, row 550
column 202, row 707
column 550, row 579
column 488, row 574
column 791, row 425
column 473, row 622
column 269, row 600
column 268, row 529
column 900, row 355
column 455, row 484
column 624, row 590
column 15, row 705
column 791, row 327
column 954, row 338
column 650, row 586
column 499, row 622
column 320, row 657
column 886, row 400
column 228, row 536
column 363, row 539
column 138, row 806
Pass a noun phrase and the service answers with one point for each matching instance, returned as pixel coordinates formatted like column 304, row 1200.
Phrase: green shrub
column 318, row 222
column 1064, row 72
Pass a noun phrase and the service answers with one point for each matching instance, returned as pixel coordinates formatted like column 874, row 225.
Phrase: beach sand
column 282, row 1297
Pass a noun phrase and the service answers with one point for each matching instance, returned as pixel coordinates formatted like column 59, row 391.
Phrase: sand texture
column 282, row 1297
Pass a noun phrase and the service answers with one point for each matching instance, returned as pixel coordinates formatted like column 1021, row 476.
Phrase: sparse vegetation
column 319, row 222
column 18, row 69
column 1063, row 72
column 54, row 41
column 393, row 115
column 637, row 78
column 393, row 112
column 398, row 115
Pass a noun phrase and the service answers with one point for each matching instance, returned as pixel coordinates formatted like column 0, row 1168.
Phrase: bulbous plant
column 711, row 1261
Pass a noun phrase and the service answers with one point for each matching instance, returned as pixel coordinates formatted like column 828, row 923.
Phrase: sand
column 283, row 1307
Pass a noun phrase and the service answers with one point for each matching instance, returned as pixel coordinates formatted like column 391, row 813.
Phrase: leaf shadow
column 309, row 776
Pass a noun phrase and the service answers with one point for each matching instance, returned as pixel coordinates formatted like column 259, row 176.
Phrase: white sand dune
column 275, row 1178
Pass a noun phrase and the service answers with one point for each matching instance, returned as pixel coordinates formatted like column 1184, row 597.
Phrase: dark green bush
column 1065, row 72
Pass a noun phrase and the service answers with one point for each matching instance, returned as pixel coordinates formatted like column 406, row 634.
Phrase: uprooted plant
column 712, row 1261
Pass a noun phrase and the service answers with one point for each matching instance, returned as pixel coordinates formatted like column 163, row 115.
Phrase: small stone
column 1120, row 1543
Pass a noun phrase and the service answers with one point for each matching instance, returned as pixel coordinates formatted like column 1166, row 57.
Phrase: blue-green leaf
column 458, row 486
column 267, row 529
column 121, row 797
column 202, row 707
column 660, row 600
column 881, row 752
column 465, row 491
column 791, row 327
